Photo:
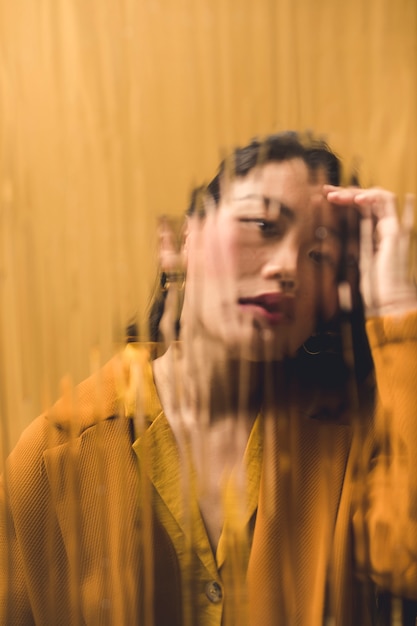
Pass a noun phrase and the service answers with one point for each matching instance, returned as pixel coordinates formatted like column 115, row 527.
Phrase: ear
column 171, row 245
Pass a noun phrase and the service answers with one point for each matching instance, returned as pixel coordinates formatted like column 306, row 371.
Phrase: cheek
column 249, row 260
column 215, row 254
column 231, row 258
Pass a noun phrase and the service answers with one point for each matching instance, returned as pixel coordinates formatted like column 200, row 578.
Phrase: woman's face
column 263, row 264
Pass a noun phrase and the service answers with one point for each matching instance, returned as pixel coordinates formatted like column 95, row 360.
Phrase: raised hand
column 387, row 283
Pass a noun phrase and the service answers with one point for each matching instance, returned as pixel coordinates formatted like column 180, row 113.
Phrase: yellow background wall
column 111, row 110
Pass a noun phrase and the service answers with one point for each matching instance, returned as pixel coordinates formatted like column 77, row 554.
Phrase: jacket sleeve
column 385, row 519
column 14, row 601
column 27, row 532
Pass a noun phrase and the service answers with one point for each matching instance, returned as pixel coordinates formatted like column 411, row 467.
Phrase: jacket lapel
column 94, row 487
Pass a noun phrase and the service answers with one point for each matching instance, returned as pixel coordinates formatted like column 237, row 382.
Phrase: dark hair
column 274, row 148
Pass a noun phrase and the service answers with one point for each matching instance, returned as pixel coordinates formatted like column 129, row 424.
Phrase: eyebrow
column 283, row 208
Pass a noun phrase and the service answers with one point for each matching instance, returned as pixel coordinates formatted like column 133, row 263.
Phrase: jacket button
column 214, row 592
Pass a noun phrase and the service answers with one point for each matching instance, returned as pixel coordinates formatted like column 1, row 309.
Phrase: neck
column 211, row 401
column 207, row 386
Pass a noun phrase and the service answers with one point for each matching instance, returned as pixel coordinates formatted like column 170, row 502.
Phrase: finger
column 375, row 200
column 328, row 188
column 342, row 195
column 335, row 188
column 366, row 260
column 407, row 224
column 407, row 219
column 366, row 242
column 406, row 239
column 379, row 202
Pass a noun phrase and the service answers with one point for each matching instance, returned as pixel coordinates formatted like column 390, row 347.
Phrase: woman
column 220, row 484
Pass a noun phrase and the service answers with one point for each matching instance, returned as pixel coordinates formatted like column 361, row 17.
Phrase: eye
column 268, row 228
column 321, row 258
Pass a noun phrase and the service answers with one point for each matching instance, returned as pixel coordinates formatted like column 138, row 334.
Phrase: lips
column 272, row 307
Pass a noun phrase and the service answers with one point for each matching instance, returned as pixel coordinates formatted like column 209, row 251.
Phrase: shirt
column 213, row 582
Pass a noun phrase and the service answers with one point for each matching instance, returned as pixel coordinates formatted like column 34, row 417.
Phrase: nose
column 287, row 281
column 281, row 265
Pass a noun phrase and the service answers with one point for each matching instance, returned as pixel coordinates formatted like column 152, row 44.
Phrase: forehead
column 289, row 182
column 279, row 180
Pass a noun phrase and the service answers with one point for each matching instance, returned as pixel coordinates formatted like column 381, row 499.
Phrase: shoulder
column 80, row 407
column 95, row 399
column 104, row 395
column 65, row 439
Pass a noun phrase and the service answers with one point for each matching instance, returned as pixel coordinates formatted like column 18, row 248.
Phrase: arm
column 28, row 545
column 391, row 511
column 385, row 519
column 14, row 602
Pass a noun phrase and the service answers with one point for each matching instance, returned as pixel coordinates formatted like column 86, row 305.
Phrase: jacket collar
column 117, row 388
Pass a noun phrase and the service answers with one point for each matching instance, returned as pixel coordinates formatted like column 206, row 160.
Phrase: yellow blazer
column 79, row 544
